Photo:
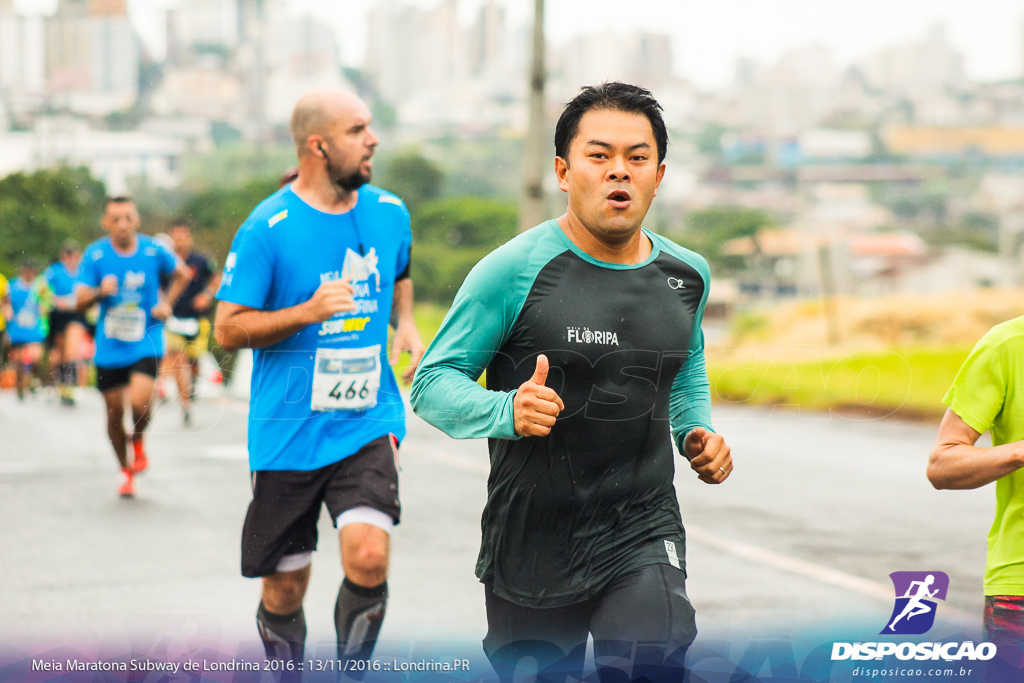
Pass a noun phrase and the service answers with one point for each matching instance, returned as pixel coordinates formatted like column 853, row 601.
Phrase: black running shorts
column 59, row 321
column 285, row 507
column 642, row 625
column 115, row 378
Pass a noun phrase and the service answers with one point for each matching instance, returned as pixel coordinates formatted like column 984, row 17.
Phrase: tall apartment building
column 22, row 67
column 926, row 66
column 195, row 26
column 91, row 56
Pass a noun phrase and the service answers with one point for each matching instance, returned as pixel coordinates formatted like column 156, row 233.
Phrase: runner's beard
column 349, row 183
column 353, row 181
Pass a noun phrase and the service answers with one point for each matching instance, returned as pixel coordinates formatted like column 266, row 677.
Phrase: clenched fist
column 162, row 311
column 108, row 286
column 708, row 454
column 331, row 297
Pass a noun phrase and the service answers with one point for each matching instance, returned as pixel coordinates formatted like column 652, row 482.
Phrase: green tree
column 215, row 214
column 450, row 236
column 465, row 222
column 39, row 210
column 412, row 177
column 709, row 229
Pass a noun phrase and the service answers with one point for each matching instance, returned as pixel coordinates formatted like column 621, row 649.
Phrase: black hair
column 119, row 199
column 623, row 97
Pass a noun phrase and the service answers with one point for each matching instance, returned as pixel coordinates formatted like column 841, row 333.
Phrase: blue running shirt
column 28, row 324
column 326, row 391
column 127, row 331
column 61, row 282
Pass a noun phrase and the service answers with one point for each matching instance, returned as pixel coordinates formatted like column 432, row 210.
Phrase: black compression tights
column 642, row 626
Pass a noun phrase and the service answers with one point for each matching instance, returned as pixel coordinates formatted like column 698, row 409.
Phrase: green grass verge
column 903, row 382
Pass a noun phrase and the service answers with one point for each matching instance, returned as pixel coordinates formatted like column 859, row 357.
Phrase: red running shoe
column 127, row 488
column 140, row 463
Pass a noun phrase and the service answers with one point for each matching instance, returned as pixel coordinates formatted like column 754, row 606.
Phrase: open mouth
column 619, row 199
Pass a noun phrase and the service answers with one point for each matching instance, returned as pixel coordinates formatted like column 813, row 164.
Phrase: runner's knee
column 364, row 554
column 367, row 558
column 283, row 591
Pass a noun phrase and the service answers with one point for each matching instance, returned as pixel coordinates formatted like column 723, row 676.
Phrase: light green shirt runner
column 988, row 395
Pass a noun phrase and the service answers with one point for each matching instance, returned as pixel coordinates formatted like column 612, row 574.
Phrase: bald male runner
column 311, row 282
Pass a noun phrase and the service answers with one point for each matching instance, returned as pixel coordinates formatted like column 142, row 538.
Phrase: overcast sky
column 709, row 35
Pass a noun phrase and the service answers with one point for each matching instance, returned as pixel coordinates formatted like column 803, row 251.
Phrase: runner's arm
column 67, row 302
column 690, row 399
column 86, row 297
column 690, row 403
column 180, row 279
column 445, row 391
column 956, row 463
column 209, row 281
column 237, row 327
column 690, row 418
column 204, row 299
column 407, row 335
column 90, row 286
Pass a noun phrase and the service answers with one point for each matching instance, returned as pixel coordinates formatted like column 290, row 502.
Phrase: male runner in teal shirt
column 589, row 329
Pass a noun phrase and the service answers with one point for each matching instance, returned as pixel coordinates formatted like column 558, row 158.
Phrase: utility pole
column 531, row 207
column 1011, row 225
column 828, row 292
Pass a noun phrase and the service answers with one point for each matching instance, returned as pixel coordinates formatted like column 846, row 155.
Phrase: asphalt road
column 803, row 535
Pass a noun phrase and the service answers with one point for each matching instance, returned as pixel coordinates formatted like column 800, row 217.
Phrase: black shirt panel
column 570, row 512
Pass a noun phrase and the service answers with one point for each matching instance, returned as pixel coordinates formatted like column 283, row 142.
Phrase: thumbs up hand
column 536, row 406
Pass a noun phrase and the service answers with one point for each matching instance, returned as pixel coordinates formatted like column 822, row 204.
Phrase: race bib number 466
column 346, row 379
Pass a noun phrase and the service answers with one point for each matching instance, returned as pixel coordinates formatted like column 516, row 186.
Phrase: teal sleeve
column 690, row 399
column 445, row 391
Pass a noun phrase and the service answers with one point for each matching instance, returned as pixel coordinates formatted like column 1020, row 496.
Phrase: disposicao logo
column 916, row 595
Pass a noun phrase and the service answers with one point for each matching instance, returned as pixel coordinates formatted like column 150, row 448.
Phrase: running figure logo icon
column 359, row 268
column 916, row 595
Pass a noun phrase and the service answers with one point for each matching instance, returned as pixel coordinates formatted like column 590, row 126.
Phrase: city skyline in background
column 903, row 160
column 707, row 38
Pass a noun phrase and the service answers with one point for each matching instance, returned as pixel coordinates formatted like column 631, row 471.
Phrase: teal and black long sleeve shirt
column 571, row 512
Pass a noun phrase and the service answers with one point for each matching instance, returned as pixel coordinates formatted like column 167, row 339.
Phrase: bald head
column 318, row 112
column 334, row 141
